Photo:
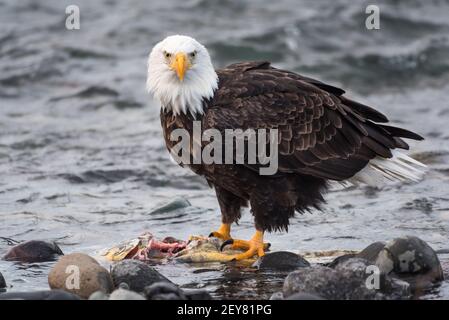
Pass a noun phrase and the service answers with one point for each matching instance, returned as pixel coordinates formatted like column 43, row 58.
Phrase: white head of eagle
column 181, row 74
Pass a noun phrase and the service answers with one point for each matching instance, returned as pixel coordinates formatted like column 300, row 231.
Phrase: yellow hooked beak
column 180, row 64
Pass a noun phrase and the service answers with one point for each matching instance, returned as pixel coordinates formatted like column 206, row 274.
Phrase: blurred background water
column 83, row 162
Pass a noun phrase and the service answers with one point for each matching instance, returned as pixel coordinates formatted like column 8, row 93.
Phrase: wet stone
column 34, row 251
column 304, row 296
column 349, row 280
column 136, row 274
column 175, row 204
column 340, row 259
column 123, row 294
column 371, row 252
column 39, row 295
column 2, row 283
column 411, row 259
column 277, row 296
column 197, row 294
column 164, row 291
column 123, row 285
column 99, row 295
column 392, row 288
column 396, row 289
column 445, row 267
column 91, row 276
column 167, row 296
column 327, row 283
column 281, row 261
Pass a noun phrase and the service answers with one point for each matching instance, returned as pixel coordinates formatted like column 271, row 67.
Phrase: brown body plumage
column 322, row 136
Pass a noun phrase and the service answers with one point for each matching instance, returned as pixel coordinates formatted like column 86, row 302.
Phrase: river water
column 83, row 162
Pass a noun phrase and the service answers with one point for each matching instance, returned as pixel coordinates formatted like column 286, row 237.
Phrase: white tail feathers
column 398, row 168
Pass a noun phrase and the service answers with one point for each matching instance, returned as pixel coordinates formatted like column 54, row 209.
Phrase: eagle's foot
column 241, row 244
column 253, row 247
column 223, row 233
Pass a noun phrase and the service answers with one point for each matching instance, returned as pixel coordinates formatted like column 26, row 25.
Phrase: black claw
column 225, row 243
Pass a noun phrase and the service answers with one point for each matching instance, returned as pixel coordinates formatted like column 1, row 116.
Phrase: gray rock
column 91, row 276
column 281, row 261
column 408, row 258
column 329, row 284
column 2, row 282
column 175, row 204
column 39, row 295
column 304, row 296
column 197, row 294
column 340, row 259
column 356, row 265
column 99, row 295
column 411, row 259
column 363, row 269
column 395, row 288
column 34, row 251
column 136, row 274
column 123, row 285
column 166, row 296
column 351, row 279
column 164, row 291
column 371, row 252
column 277, row 296
column 122, row 294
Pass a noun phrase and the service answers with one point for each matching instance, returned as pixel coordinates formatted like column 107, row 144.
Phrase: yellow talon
column 224, row 232
column 237, row 244
column 255, row 246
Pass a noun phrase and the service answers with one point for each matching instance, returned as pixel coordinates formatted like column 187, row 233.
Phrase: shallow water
column 83, row 162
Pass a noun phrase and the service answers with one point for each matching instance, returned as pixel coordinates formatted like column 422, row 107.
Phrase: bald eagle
column 323, row 135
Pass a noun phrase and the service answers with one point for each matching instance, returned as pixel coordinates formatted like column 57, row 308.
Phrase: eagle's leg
column 253, row 247
column 224, row 232
column 230, row 212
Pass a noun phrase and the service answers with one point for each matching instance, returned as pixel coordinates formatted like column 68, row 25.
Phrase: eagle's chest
column 179, row 136
column 228, row 176
column 174, row 125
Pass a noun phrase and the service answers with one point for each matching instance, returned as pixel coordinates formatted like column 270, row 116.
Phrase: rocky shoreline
column 403, row 268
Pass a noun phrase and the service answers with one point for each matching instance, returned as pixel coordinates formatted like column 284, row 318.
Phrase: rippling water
column 82, row 159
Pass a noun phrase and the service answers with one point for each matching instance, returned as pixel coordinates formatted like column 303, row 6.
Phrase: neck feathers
column 188, row 96
column 186, row 103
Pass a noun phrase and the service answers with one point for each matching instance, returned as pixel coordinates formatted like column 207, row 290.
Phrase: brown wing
column 321, row 132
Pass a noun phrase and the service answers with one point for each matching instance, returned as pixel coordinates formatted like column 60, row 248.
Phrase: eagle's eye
column 193, row 54
column 167, row 54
